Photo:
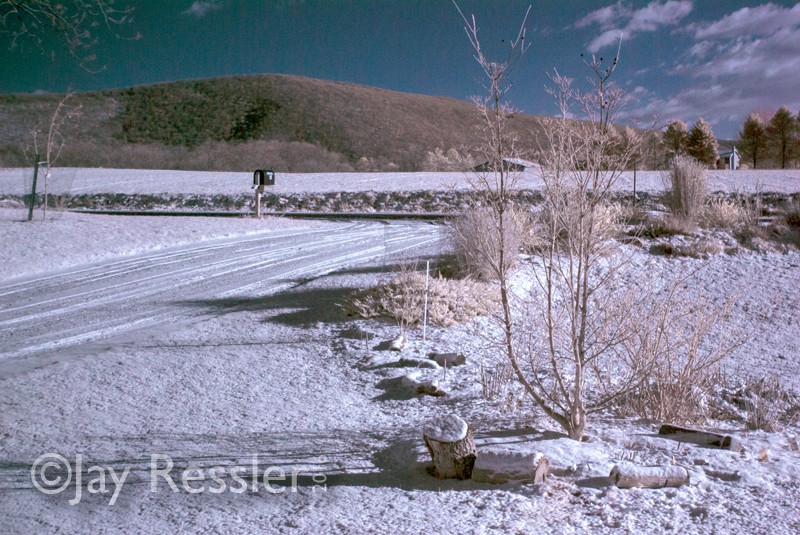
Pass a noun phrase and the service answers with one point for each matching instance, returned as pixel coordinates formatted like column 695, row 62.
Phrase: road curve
column 46, row 313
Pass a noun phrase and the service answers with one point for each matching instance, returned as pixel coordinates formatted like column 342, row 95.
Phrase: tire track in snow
column 89, row 303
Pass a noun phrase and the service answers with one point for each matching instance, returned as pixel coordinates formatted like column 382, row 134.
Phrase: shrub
column 682, row 352
column 686, row 187
column 723, row 213
column 452, row 160
column 403, row 300
column 658, row 226
column 792, row 215
column 696, row 248
column 769, row 405
column 477, row 241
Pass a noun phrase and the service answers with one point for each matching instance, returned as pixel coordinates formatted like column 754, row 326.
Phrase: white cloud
column 616, row 20
column 201, row 8
column 745, row 61
column 649, row 18
column 605, row 16
column 760, row 20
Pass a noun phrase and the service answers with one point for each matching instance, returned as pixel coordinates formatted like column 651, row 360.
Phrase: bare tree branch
column 71, row 25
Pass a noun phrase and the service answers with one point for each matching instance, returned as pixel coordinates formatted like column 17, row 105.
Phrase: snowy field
column 220, row 343
column 142, row 181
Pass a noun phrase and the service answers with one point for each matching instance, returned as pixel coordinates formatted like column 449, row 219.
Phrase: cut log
column 703, row 438
column 452, row 447
column 500, row 466
column 628, row 476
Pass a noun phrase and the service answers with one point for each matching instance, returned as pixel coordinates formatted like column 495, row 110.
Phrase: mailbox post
column 262, row 178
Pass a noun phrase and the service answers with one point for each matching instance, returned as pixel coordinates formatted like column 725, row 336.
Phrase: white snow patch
column 129, row 181
column 448, row 428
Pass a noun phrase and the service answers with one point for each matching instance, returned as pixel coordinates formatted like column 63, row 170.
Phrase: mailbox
column 263, row 177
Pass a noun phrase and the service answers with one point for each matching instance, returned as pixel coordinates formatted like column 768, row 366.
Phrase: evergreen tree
column 781, row 133
column 753, row 138
column 701, row 143
column 675, row 137
column 797, row 136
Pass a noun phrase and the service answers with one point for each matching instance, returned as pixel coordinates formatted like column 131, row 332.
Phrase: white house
column 729, row 159
column 509, row 164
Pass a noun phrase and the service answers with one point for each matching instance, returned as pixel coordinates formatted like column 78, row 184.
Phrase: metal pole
column 33, row 188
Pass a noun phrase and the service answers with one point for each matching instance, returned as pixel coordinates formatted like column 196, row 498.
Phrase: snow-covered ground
column 85, row 181
column 279, row 377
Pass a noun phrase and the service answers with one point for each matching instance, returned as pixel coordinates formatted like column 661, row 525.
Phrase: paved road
column 47, row 313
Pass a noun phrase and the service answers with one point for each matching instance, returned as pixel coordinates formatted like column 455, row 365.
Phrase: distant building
column 729, row 159
column 509, row 164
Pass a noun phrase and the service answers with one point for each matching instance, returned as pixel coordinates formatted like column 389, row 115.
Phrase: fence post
column 33, row 188
column 425, row 313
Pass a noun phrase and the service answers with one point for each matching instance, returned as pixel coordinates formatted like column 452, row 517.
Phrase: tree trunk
column 452, row 447
column 628, row 476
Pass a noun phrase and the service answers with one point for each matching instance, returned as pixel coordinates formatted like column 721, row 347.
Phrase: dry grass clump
column 697, row 248
column 792, row 215
column 630, row 214
column 723, row 213
column 402, row 299
column 481, row 249
column 763, row 403
column 770, row 405
column 660, row 226
column 683, row 362
column 686, row 186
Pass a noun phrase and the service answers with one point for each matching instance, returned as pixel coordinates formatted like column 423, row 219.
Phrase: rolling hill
column 289, row 123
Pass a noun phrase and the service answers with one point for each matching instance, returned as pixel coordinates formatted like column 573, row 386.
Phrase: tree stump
column 452, row 447
column 628, row 476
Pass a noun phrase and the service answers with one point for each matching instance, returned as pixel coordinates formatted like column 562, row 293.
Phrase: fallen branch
column 702, row 438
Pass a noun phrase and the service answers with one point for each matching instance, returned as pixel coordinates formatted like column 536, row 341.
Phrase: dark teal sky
column 683, row 59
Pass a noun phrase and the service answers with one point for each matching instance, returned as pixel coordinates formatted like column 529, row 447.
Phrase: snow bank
column 77, row 181
column 68, row 239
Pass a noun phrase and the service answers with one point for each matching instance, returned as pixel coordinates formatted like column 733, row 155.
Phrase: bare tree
column 69, row 24
column 49, row 146
column 499, row 144
column 579, row 351
column 582, row 337
column 580, row 163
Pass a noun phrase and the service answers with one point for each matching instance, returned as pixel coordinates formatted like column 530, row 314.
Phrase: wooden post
column 33, row 188
column 628, row 476
column 259, row 191
column 452, row 447
column 425, row 309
